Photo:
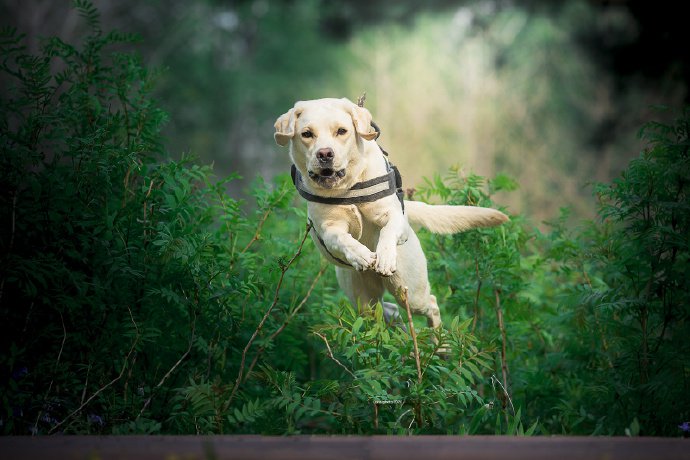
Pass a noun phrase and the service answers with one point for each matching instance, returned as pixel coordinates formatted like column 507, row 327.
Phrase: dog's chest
column 365, row 223
column 361, row 227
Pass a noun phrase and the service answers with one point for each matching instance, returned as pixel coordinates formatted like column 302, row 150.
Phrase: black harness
column 362, row 192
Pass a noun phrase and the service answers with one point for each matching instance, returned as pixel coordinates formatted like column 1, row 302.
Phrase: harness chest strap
column 362, row 192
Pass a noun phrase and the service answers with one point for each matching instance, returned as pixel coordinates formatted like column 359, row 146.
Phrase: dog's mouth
column 327, row 177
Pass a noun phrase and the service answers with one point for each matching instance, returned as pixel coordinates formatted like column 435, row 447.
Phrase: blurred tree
column 561, row 86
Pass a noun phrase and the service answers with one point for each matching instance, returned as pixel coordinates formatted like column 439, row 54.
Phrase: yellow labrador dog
column 354, row 200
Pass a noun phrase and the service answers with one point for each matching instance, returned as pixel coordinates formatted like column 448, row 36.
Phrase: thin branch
column 109, row 384
column 301, row 304
column 438, row 344
column 330, row 355
column 409, row 427
column 504, row 363
column 172, row 369
column 413, row 333
column 259, row 227
column 397, row 422
column 145, row 204
column 283, row 269
column 255, row 238
column 287, row 320
column 125, row 184
column 57, row 363
column 129, row 377
column 86, row 384
column 505, row 392
column 476, row 297
column 502, row 329
column 418, row 406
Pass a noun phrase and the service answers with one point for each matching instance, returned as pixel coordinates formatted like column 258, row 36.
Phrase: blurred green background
column 548, row 93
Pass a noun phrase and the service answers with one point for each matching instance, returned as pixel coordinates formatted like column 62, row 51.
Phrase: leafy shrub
column 590, row 323
column 125, row 276
column 630, row 302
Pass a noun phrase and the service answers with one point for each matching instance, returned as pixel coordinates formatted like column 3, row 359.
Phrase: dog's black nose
column 325, row 155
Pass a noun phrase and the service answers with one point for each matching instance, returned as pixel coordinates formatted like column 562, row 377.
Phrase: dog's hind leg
column 412, row 275
column 362, row 288
column 421, row 302
column 366, row 290
column 391, row 314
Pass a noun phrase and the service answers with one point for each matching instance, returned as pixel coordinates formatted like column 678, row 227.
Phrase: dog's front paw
column 386, row 263
column 362, row 259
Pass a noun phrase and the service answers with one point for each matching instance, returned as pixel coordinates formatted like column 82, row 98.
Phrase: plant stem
column 418, row 407
column 57, row 363
column 287, row 320
column 330, row 355
column 283, row 269
column 255, row 237
column 109, row 384
column 172, row 369
column 476, row 296
column 501, row 327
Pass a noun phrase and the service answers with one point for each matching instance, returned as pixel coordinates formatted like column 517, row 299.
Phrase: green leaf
column 357, row 325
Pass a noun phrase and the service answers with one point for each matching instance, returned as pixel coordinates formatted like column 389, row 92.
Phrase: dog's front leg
column 394, row 232
column 337, row 239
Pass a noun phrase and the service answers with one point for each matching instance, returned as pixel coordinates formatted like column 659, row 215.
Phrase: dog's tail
column 451, row 219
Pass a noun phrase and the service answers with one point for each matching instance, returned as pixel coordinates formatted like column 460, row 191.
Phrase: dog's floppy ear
column 285, row 127
column 361, row 118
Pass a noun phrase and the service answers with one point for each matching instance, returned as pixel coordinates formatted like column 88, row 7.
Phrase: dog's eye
column 341, row 131
column 307, row 134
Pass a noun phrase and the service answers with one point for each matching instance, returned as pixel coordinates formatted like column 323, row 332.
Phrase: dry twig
column 501, row 327
column 330, row 355
column 109, row 384
column 413, row 333
column 418, row 406
column 283, row 269
column 361, row 99
column 57, row 363
column 260, row 226
column 287, row 320
column 172, row 369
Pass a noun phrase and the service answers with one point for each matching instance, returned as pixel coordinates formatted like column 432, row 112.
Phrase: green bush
column 127, row 278
column 589, row 324
column 629, row 299
column 137, row 297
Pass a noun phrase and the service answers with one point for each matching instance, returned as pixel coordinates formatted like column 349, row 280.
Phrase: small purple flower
column 94, row 419
column 685, row 427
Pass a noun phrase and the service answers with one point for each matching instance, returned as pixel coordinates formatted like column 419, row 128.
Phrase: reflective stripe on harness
column 362, row 192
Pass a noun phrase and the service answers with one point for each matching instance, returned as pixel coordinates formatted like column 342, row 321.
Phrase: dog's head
column 326, row 139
